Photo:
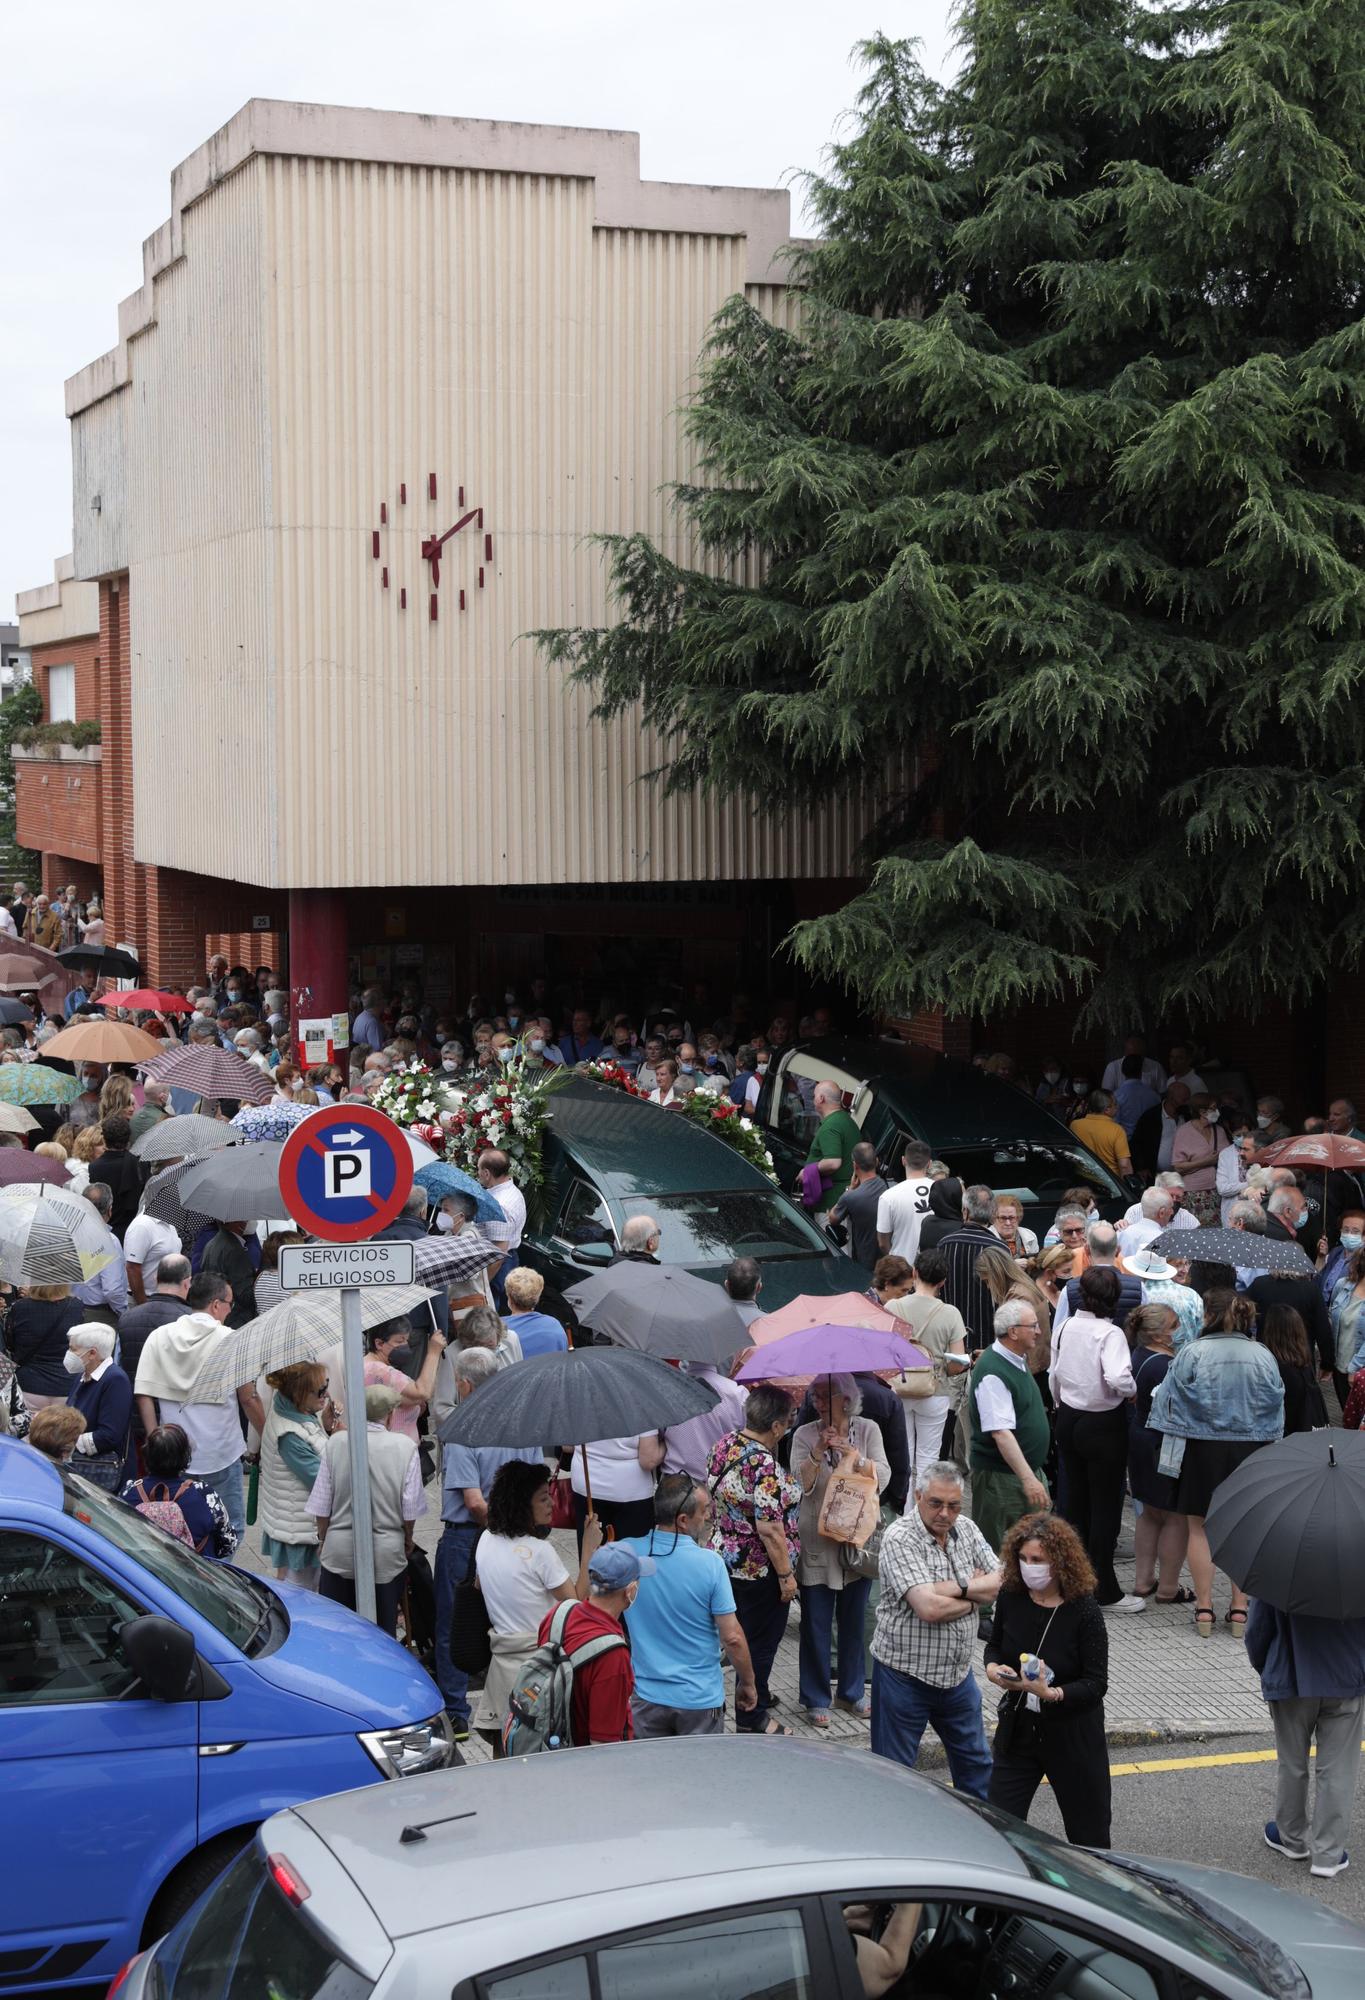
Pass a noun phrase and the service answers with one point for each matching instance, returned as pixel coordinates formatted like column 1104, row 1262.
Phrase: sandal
column 1234, row 1617
column 1150, row 1593
column 818, row 1718
column 775, row 1729
column 1204, row 1611
column 1182, row 1596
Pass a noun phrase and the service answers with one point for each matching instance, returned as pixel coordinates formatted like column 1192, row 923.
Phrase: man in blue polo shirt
column 680, row 1611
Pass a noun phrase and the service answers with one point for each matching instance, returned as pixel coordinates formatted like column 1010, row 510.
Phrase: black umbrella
column 577, row 1398
column 661, row 1310
column 108, row 961
column 1234, row 1246
column 14, row 1014
column 1289, row 1524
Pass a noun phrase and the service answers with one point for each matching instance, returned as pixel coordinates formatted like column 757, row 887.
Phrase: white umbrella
column 302, row 1328
column 30, row 1212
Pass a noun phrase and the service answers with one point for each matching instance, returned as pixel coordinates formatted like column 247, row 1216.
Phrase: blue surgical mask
column 1352, row 1242
column 687, row 1068
column 537, row 1043
column 506, row 1054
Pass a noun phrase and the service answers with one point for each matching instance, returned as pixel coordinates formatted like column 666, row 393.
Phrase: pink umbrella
column 212, row 1072
column 1323, row 1152
column 814, row 1309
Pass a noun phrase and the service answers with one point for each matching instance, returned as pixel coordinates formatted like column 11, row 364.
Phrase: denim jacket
column 1221, row 1386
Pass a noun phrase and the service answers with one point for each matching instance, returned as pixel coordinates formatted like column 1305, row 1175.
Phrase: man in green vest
column 1009, row 1426
column 832, row 1147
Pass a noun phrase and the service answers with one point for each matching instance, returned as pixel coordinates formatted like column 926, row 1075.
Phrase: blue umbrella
column 441, row 1179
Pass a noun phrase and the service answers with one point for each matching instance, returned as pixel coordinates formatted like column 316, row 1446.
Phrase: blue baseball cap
column 616, row 1564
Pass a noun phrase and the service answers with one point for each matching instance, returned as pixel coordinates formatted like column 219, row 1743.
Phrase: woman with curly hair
column 1051, row 1726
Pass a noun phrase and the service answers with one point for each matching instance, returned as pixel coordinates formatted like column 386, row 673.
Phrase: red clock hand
column 432, row 546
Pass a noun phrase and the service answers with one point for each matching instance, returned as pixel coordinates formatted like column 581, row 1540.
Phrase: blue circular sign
column 345, row 1172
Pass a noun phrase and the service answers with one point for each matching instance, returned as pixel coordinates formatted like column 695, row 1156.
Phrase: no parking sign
column 345, row 1172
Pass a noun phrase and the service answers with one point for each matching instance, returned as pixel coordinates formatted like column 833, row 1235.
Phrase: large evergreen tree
column 1046, row 526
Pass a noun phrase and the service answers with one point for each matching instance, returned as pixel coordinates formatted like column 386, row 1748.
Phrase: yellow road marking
column 1208, row 1763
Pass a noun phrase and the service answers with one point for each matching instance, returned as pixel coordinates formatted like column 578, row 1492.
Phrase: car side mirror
column 161, row 1654
column 594, row 1255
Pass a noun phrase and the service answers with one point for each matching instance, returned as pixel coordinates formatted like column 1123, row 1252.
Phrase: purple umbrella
column 831, row 1350
column 17, row 1165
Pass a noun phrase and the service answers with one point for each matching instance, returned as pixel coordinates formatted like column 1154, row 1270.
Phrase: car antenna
column 419, row 1830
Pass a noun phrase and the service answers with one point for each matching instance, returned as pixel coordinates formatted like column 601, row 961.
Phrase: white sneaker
column 1128, row 1604
column 1330, row 1867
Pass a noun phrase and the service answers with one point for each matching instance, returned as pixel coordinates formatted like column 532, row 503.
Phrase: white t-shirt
column 615, row 1470
column 518, row 1580
column 900, row 1212
column 146, row 1241
column 213, row 1429
column 512, row 1202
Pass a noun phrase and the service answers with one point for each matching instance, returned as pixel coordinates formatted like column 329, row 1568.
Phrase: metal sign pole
column 362, row 1515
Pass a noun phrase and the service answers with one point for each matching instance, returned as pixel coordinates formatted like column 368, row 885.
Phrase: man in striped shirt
column 962, row 1248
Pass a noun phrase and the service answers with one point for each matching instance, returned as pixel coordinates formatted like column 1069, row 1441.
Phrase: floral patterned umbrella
column 35, row 1083
column 270, row 1121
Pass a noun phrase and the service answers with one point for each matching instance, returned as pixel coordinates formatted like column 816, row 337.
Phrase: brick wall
column 84, row 656
column 61, row 869
column 57, row 808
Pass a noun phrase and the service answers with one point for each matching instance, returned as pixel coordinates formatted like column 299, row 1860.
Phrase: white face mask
column 1078, row 1086
column 1262, row 1120
column 1052, row 1076
column 537, row 1044
column 445, row 1223
column 449, row 1065
column 1035, row 1576
column 506, row 1055
column 1212, row 1116
column 72, row 1362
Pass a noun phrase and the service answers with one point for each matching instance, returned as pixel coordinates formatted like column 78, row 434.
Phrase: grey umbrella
column 577, row 1398
column 236, row 1183
column 161, row 1198
column 1289, row 1524
column 1234, row 1246
column 660, row 1310
column 178, row 1138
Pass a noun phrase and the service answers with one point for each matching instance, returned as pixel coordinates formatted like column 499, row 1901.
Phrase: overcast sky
column 102, row 102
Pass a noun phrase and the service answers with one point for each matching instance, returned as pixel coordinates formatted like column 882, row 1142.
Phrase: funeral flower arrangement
column 458, row 1117
column 718, row 1115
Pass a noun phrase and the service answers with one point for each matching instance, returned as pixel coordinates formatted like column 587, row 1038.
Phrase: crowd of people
column 1071, row 1369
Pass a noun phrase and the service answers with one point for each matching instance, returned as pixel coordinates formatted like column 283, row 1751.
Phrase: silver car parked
column 721, row 1869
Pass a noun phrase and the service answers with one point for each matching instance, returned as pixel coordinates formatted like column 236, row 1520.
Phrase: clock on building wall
column 439, row 549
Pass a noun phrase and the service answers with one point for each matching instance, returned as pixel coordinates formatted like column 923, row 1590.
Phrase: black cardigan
column 1077, row 1647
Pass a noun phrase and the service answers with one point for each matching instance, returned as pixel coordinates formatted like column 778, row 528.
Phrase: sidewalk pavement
column 1166, row 1684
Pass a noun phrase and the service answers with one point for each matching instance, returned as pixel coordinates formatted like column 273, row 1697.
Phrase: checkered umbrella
column 178, row 1138
column 449, row 1260
column 302, row 1328
column 161, row 1198
column 210, row 1071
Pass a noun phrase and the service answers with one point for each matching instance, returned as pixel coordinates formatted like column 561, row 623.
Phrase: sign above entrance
column 317, row 1267
column 345, row 1173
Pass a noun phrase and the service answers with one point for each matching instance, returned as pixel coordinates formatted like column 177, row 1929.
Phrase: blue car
column 154, row 1709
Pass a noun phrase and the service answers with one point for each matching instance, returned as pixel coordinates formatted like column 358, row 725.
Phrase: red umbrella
column 212, row 1072
column 17, row 1165
column 1323, row 1152
column 144, row 1000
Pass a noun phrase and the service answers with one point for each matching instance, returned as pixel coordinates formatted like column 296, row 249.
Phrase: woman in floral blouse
column 757, row 1505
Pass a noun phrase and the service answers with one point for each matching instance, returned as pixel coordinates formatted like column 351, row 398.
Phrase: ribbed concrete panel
column 206, row 752
column 316, row 335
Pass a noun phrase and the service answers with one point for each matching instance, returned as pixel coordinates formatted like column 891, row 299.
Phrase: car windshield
column 234, row 1604
column 1164, row 1907
column 245, row 1940
column 1038, row 1173
column 740, row 1222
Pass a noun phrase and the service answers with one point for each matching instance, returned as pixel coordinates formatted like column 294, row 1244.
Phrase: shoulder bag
column 914, row 1385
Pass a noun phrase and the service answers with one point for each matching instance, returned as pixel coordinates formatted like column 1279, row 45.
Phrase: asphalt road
column 1186, row 1803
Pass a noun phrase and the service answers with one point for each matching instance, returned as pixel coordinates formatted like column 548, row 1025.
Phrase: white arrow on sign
column 351, row 1138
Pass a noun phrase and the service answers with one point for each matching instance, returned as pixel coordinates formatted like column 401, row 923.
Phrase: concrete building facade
column 385, row 379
